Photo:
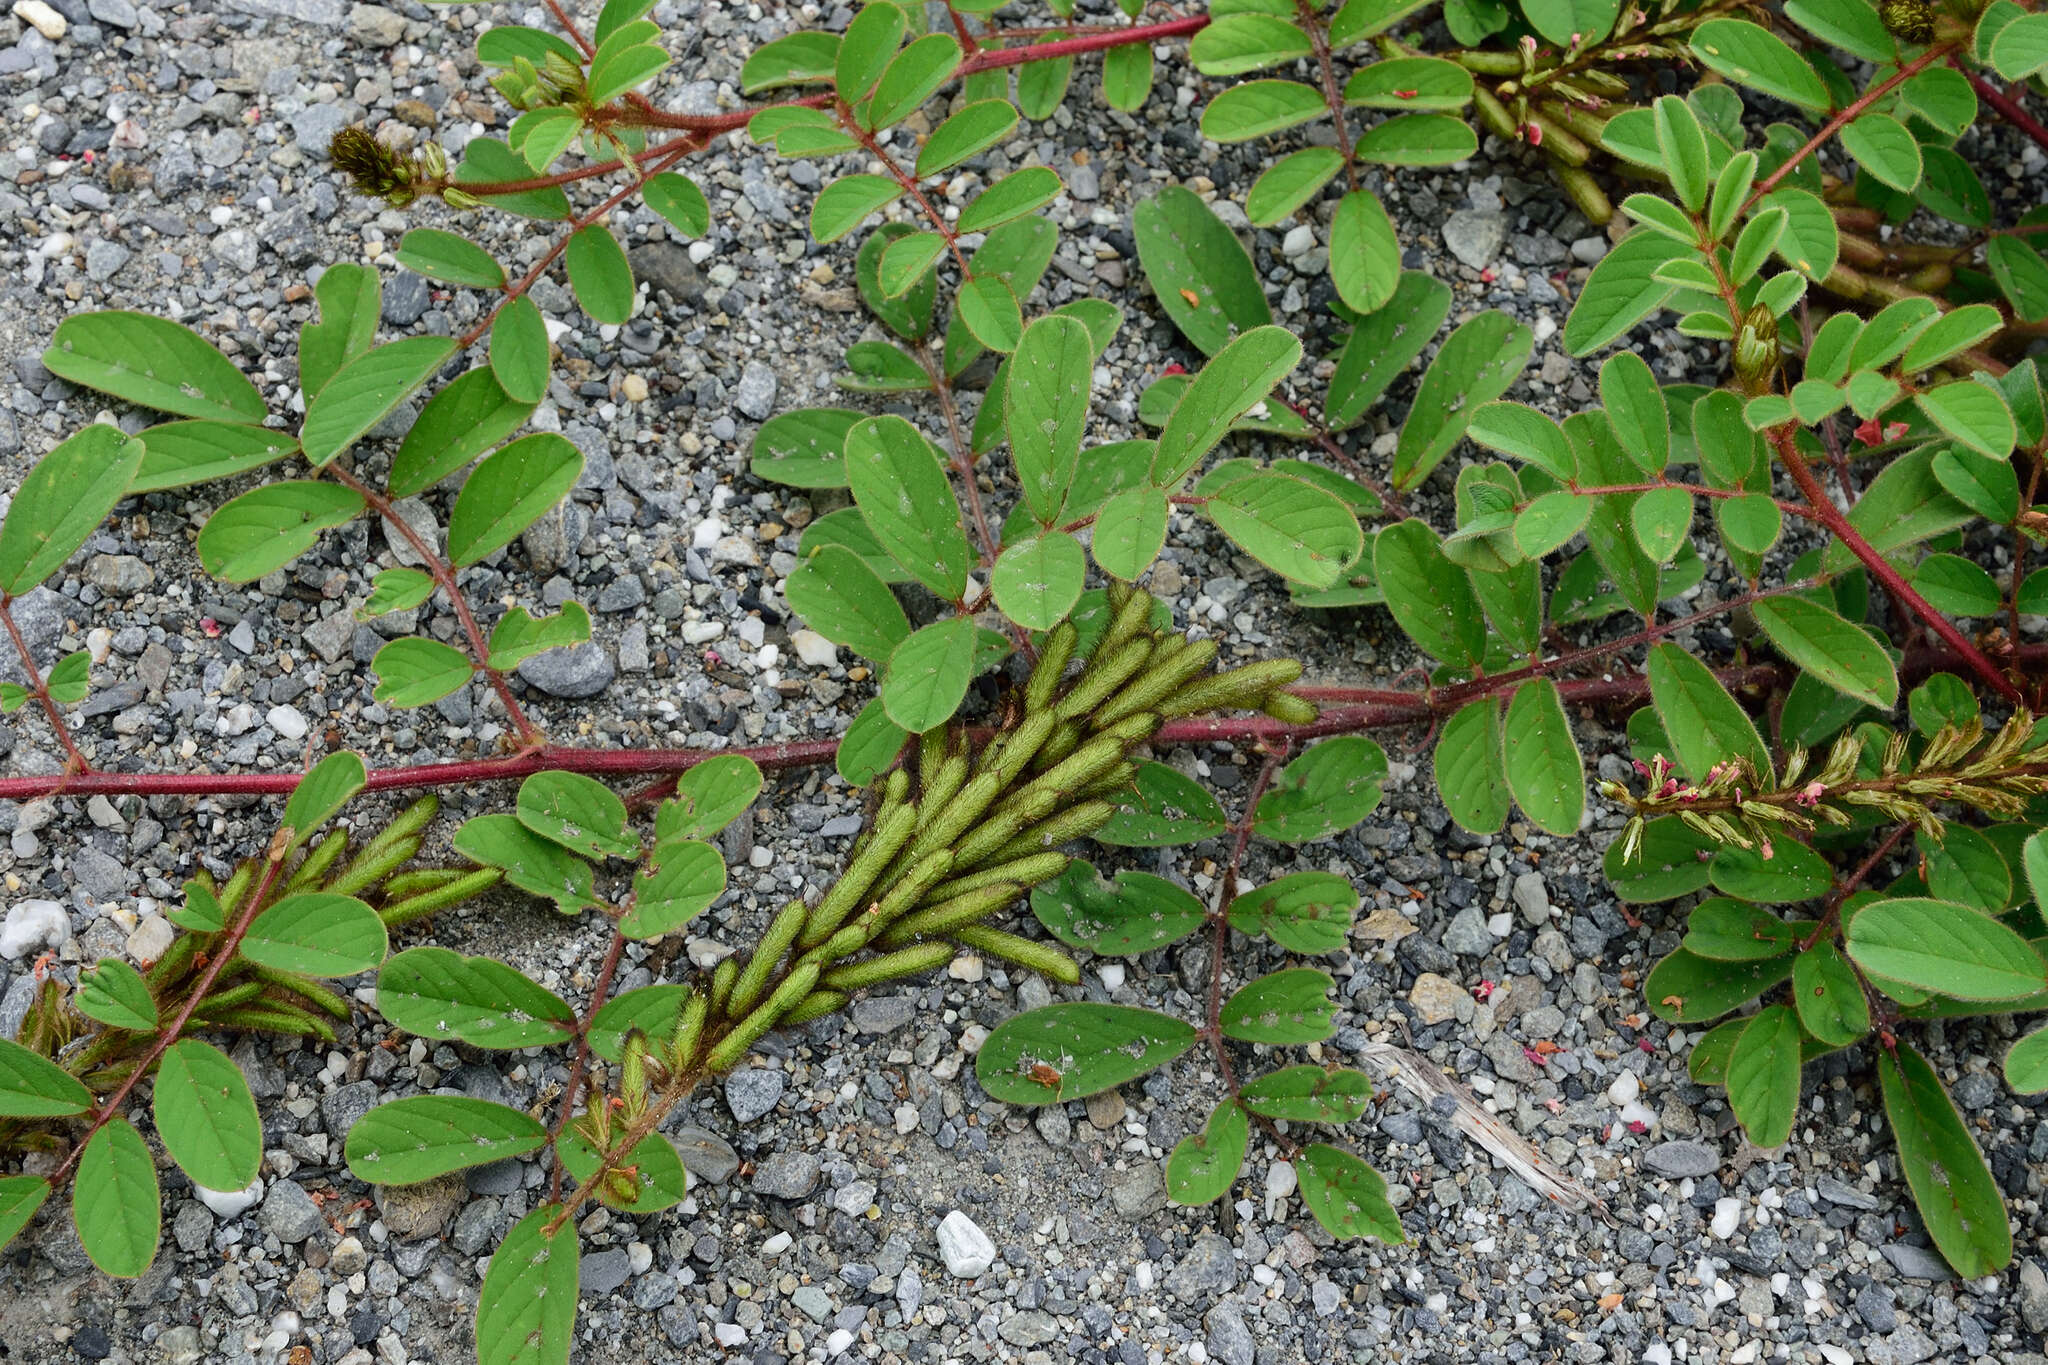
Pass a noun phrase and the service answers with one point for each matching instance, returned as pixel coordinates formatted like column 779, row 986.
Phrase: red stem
column 991, row 58
column 581, row 1067
column 40, row 689
column 2008, row 108
column 1847, row 116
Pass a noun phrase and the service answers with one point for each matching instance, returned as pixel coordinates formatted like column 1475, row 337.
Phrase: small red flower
column 1484, row 990
column 1533, row 132
column 1638, row 1127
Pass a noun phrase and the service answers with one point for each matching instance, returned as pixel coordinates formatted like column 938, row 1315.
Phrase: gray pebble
column 752, row 1093
column 787, row 1175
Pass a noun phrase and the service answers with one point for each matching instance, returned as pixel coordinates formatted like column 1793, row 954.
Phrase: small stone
column 1298, row 241
column 787, row 1175
column 116, row 13
column 152, row 938
column 752, row 1093
column 813, row 1302
column 31, row 927
column 1625, row 1089
column 1467, row 934
column 1682, row 1159
column 287, row 721
column 422, row 1210
column 1532, row 897
column 574, row 673
column 883, row 1013
column 1436, row 998
column 1917, row 1263
column 813, row 649
column 755, row 394
column 1209, row 1268
column 104, row 259
column 633, row 389
column 1106, row 1109
column 600, row 1272
column 228, row 1204
column 966, row 1249
column 1474, row 236
column 1139, row 1191
column 41, row 18
column 1727, row 1218
column 706, row 1155
column 376, row 26
column 1589, row 250
column 289, row 1213
column 1030, row 1328
column 1229, row 1340
column 2034, row 1296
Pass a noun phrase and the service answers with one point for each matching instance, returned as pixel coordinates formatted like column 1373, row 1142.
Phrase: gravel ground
column 173, row 159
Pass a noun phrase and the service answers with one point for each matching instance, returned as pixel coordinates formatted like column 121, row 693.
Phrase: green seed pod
column 1064, row 740
column 315, row 864
column 241, row 993
column 1240, row 689
column 945, row 784
column 1053, row 658
column 926, row 873
column 816, row 1005
column 276, row 1018
column 238, row 886
column 1022, row 745
column 892, row 831
column 407, row 884
column 1077, row 822
column 689, row 1031
column 938, row 921
column 767, row 957
column 1000, row 827
column 875, row 971
column 173, row 963
column 414, row 819
column 373, row 865
column 1096, row 685
column 933, row 749
column 961, row 812
column 1159, row 681
column 1043, row 958
column 1290, row 709
column 726, row 1053
column 1132, row 616
column 1029, row 871
column 1910, row 21
column 312, row 992
column 1117, row 779
column 452, row 893
column 1756, row 350
column 722, row 977
column 1101, row 753
column 841, row 945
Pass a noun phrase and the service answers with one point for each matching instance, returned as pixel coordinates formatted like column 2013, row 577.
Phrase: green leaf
column 1309, row 1094
column 623, row 60
column 968, row 133
column 1410, row 83
column 1294, row 528
column 445, row 256
column 1133, row 914
column 153, row 363
column 682, row 878
column 846, row 602
column 600, row 275
column 709, row 796
column 1520, row 431
column 519, row 635
column 206, row 1117
column 1829, row 996
column 1751, row 55
column 1950, row 188
column 62, row 502
column 1203, row 1166
column 179, row 454
column 508, row 492
column 1042, row 85
column 1046, row 410
column 1973, row 413
column 365, row 390
column 1817, row 641
column 1036, row 582
column 1130, row 530
column 1902, row 506
column 1162, row 809
column 1810, row 241
column 34, row 1087
column 1197, row 268
column 2026, row 1070
column 805, row 448
column 486, row 160
column 1415, row 140
column 115, row 1202
column 651, row 1009
column 1706, row 725
column 415, row 672
column 927, row 674
column 1882, row 146
column 1127, row 76
column 798, row 59
column 1544, row 770
column 1291, row 182
column 443, row 996
column 912, row 78
column 1257, row 108
column 1236, row 43
column 1471, row 775
column 988, row 307
column 870, row 745
column 579, row 813
column 201, row 911
column 1475, row 365
column 1015, row 195
column 268, row 527
column 528, row 861
column 1688, row 989
column 69, row 681
column 1662, row 522
column 459, row 423
column 20, row 1197
column 1948, row 335
column 1733, row 931
column 1291, row 1006
column 540, row 136
column 1431, row 598
column 331, row 784
column 842, row 205
column 2021, row 274
column 1091, row 1047
column 1953, row 1189
column 1944, row 699
column 1680, row 142
column 1365, row 258
column 115, row 994
column 2021, row 47
column 659, row 1179
column 1966, row 868
column 1304, row 912
column 1763, row 1077
column 1636, row 409
column 526, row 1310
column 901, row 488
column 1383, row 344
column 1358, row 20
column 1238, row 377
column 1852, row 25
column 317, row 933
column 1957, row 586
column 519, row 351
column 1621, row 291
column 1326, row 791
column 1946, row 948
column 880, row 367
column 350, row 298
column 1793, row 872
column 1346, row 1196
column 904, row 262
column 678, row 199
column 1667, row 865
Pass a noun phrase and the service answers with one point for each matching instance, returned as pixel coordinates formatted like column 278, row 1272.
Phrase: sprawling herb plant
column 1889, row 666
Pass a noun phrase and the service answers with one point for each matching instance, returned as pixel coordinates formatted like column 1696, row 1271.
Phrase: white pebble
column 776, row 1245
column 33, row 926
column 730, row 1334
column 906, row 1119
column 152, row 939
column 1657, row 1353
column 1727, row 1217
column 837, row 1343
column 1112, row 974
column 287, row 721
column 967, row 1250
column 639, row 1256
column 707, row 533
column 45, row 20
column 813, row 649
column 228, row 1203
column 1624, row 1089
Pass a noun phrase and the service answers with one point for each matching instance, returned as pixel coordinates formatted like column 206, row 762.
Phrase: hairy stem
column 40, row 690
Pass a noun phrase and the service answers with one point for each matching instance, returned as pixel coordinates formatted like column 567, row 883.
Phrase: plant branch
column 2010, row 109
column 580, row 1068
column 40, row 689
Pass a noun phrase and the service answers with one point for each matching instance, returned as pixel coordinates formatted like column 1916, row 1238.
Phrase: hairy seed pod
column 276, row 1018
column 1026, row 871
column 315, row 864
column 1909, row 21
column 1043, row 958
column 689, row 1030
column 633, row 1073
column 1127, row 624
column 943, row 785
column 1290, row 709
column 1240, row 689
column 1077, row 822
column 1100, row 754
column 875, row 971
column 1116, row 667
column 722, row 978
column 727, row 1052
column 1001, row 825
column 816, row 1005
column 373, row 865
column 926, row 873
column 173, row 963
column 414, row 819
column 962, row 811
column 1066, row 737
column 1053, row 658
column 753, row 979
column 933, row 748
column 241, row 993
column 1756, row 350
column 1024, row 744
column 1158, row 682
column 448, row 894
column 892, row 831
column 940, row 920
column 406, row 884
column 841, row 945
column 238, row 886
column 312, row 992
column 1117, row 779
